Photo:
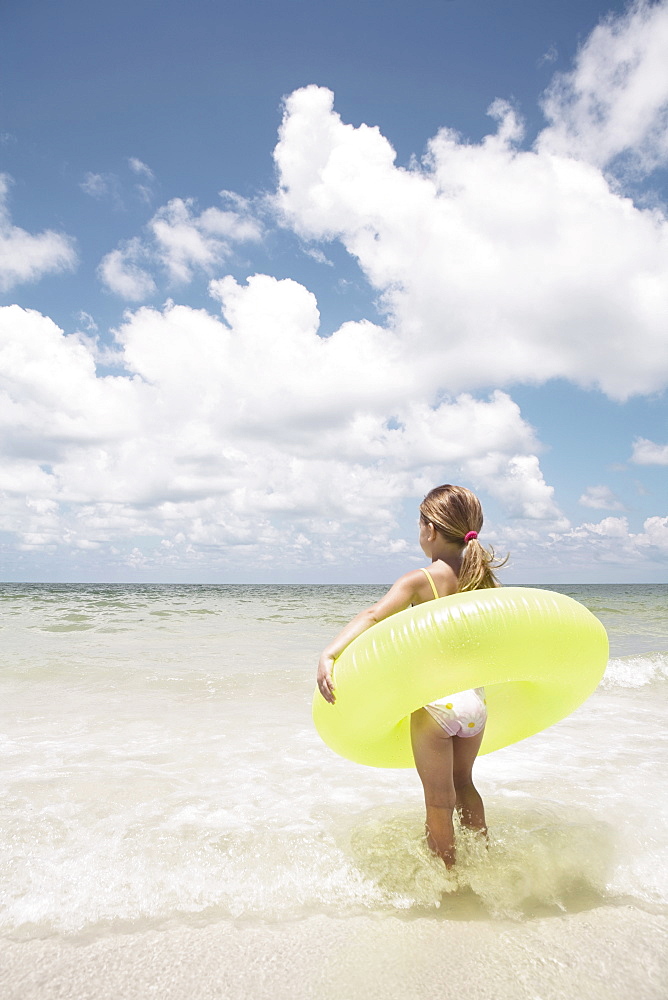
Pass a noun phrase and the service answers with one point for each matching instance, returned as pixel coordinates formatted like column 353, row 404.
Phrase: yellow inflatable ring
column 538, row 654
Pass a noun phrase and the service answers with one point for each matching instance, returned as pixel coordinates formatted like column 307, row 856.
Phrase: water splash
column 536, row 862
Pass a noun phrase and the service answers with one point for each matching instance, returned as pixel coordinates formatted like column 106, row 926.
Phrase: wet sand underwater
column 173, row 827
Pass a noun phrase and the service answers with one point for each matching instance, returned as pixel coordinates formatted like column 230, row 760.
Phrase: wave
column 194, row 867
column 635, row 672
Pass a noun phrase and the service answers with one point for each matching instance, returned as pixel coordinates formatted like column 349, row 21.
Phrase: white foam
column 636, row 671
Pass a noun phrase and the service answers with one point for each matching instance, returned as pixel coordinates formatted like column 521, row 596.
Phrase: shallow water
column 159, row 764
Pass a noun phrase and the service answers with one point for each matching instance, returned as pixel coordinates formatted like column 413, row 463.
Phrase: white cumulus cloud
column 248, row 434
column 26, row 257
column 179, row 242
column 655, row 534
column 615, row 100
column 500, row 265
column 601, row 498
column 185, row 241
column 121, row 273
column 611, row 541
column 646, row 452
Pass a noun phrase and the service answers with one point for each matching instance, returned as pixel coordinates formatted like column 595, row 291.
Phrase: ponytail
column 478, row 565
column 456, row 513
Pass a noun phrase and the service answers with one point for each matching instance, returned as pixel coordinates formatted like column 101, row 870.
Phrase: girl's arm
column 412, row 588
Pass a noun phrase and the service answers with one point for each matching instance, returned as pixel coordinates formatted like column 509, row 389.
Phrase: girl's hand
column 408, row 589
column 325, row 681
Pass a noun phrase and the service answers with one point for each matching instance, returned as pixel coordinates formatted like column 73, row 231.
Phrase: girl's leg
column 432, row 750
column 468, row 802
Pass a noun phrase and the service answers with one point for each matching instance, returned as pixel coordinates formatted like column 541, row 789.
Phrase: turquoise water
column 159, row 765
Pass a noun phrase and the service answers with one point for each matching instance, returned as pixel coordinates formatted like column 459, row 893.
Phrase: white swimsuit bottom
column 461, row 714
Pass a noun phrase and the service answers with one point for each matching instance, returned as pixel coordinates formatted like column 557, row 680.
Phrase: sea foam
column 646, row 670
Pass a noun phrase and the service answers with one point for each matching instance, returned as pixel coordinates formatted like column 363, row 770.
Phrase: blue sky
column 232, row 353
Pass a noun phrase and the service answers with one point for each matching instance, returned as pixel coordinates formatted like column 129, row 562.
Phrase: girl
column 445, row 735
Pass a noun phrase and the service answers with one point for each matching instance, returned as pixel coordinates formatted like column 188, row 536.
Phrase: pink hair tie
column 470, row 535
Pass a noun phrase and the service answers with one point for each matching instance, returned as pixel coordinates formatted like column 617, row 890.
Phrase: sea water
column 160, row 770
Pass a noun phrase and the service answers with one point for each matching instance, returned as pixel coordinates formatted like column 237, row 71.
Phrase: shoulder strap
column 430, row 578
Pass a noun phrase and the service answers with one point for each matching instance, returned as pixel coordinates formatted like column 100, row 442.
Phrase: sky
column 270, row 271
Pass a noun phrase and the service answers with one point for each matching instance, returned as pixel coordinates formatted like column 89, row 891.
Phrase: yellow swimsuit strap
column 431, row 580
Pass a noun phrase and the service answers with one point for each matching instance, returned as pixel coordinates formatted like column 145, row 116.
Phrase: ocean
column 173, row 826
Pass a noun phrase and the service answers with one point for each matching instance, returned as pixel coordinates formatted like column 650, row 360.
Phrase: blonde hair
column 455, row 512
